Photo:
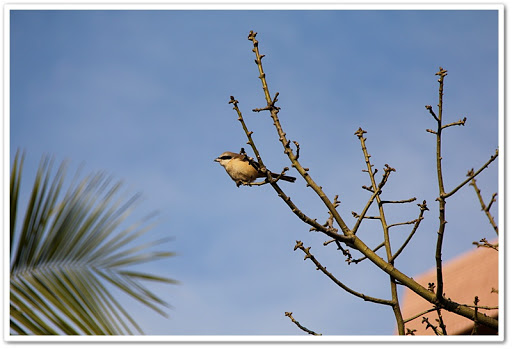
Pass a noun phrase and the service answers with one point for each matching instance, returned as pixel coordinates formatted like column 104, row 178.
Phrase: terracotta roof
column 472, row 274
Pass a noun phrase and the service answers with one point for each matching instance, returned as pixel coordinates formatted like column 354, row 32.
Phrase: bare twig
column 410, row 332
column 485, row 208
column 365, row 217
column 475, row 324
column 493, row 157
column 429, row 325
column 423, row 208
column 441, row 322
column 419, row 314
column 319, row 266
column 363, row 212
column 289, row 314
column 493, row 199
column 485, row 243
column 398, row 201
column 247, row 132
column 345, row 252
column 405, row 223
column 485, row 307
column 456, row 123
column 429, row 108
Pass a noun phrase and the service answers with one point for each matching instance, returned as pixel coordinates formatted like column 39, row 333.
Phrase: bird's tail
column 284, row 178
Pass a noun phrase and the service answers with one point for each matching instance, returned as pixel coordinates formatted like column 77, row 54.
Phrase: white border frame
column 262, row 5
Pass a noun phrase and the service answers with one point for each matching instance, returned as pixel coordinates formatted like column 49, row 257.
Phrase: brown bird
column 241, row 169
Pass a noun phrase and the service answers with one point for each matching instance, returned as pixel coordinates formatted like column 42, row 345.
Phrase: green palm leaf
column 70, row 254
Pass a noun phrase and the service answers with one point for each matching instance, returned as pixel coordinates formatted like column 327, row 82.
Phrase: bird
column 243, row 169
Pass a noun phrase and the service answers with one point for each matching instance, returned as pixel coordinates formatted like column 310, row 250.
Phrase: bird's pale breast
column 241, row 171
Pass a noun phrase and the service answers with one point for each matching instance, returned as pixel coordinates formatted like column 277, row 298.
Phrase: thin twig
column 493, row 157
column 423, row 208
column 247, row 132
column 493, row 199
column 485, row 243
column 441, row 322
column 403, row 223
column 485, row 208
column 420, row 314
column 485, row 307
column 398, row 201
column 308, row 255
column 410, row 332
column 429, row 108
column 429, row 325
column 289, row 314
column 363, row 212
column 456, row 123
column 475, row 324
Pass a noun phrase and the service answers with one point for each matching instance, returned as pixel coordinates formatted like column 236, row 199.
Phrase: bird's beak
column 217, row 160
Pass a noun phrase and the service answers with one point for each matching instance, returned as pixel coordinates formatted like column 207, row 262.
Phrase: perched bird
column 243, row 169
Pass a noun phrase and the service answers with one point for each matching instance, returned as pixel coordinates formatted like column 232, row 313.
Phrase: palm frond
column 70, row 254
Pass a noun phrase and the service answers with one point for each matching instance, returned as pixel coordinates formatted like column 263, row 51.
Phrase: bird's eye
column 225, row 157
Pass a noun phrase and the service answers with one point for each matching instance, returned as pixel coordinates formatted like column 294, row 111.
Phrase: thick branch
column 374, row 250
column 420, row 290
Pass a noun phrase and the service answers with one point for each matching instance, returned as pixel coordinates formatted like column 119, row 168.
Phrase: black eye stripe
column 225, row 157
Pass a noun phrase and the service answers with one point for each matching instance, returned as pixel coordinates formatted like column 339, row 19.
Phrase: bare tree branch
column 423, row 208
column 319, row 266
column 493, row 157
column 485, row 208
column 286, row 143
column 289, row 314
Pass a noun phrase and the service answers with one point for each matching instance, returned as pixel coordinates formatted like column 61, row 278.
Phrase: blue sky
column 143, row 95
